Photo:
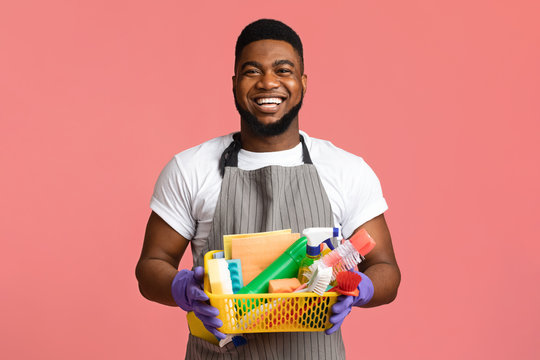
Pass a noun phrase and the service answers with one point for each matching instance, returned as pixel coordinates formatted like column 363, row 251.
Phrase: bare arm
column 161, row 253
column 380, row 265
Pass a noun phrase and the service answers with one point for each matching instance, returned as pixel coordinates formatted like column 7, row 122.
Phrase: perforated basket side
column 256, row 313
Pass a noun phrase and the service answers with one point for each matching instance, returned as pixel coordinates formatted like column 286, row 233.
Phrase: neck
column 257, row 143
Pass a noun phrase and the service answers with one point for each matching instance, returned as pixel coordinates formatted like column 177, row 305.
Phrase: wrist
column 365, row 290
column 178, row 289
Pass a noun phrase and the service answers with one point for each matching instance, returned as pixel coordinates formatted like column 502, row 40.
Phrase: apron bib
column 268, row 199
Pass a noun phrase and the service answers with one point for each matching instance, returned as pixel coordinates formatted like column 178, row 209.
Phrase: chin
column 266, row 121
column 275, row 127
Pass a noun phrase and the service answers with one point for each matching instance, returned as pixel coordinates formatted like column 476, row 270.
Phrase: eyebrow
column 259, row 65
column 283, row 62
column 251, row 63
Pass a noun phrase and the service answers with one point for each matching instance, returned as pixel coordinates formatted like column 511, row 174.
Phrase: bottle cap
column 313, row 250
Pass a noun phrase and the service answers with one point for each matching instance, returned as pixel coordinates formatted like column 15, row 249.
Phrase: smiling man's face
column 268, row 86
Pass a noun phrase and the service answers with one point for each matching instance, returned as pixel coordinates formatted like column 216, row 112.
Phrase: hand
column 345, row 303
column 187, row 292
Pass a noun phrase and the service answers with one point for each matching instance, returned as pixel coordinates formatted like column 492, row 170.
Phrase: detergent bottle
column 315, row 237
column 285, row 266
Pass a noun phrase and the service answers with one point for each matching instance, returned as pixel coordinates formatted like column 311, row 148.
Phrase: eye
column 283, row 71
column 251, row 71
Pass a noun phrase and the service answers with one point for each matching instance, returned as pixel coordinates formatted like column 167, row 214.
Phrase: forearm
column 386, row 278
column 155, row 277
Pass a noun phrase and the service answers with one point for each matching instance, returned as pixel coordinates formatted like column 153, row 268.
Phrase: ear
column 234, row 83
column 304, row 83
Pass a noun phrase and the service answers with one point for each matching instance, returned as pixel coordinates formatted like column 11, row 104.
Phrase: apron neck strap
column 305, row 153
column 230, row 155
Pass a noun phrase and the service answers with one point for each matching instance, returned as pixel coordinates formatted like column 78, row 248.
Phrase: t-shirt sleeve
column 364, row 200
column 171, row 200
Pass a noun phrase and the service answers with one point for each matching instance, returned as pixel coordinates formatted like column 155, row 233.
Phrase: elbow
column 142, row 292
column 396, row 286
column 391, row 297
column 386, row 287
column 392, row 294
column 139, row 275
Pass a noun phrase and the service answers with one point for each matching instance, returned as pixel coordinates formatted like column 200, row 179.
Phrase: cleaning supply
column 235, row 269
column 260, row 313
column 347, row 283
column 237, row 340
column 318, row 279
column 315, row 237
column 285, row 266
column 350, row 253
column 227, row 239
column 283, row 285
column 256, row 253
column 219, row 255
column 219, row 276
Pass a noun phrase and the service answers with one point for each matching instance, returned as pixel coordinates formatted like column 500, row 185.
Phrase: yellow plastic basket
column 255, row 313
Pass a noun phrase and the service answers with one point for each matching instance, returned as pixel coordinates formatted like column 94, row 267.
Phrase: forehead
column 268, row 51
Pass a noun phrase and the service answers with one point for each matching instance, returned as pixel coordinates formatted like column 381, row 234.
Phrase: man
column 269, row 176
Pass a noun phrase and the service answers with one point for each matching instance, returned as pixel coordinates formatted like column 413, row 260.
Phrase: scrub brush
column 350, row 253
column 319, row 279
column 347, row 283
column 236, row 339
column 239, row 340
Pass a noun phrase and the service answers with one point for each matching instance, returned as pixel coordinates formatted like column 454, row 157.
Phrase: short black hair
column 268, row 29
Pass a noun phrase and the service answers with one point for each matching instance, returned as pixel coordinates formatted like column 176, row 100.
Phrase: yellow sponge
column 219, row 276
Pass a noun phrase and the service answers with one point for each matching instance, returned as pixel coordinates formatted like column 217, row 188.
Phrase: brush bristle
column 331, row 259
column 321, row 278
column 348, row 282
column 346, row 263
column 311, row 269
column 350, row 261
column 239, row 340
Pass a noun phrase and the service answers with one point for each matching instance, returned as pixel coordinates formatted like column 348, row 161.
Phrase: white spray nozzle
column 317, row 235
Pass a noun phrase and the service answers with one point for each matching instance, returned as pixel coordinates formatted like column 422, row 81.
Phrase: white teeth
column 261, row 101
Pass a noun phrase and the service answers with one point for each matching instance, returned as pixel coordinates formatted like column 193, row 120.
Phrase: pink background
column 441, row 99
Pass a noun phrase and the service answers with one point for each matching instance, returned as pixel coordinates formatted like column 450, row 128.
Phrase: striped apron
column 267, row 199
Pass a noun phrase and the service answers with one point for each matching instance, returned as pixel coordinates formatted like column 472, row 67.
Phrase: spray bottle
column 315, row 237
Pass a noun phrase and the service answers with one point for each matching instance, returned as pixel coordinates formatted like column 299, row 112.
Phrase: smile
column 268, row 104
column 268, row 101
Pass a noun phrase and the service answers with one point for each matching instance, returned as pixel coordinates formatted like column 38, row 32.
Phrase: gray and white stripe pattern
column 270, row 198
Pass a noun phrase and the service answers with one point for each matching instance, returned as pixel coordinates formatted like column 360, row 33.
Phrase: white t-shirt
column 187, row 190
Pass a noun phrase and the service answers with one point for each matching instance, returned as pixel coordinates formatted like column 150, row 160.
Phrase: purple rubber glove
column 187, row 292
column 345, row 303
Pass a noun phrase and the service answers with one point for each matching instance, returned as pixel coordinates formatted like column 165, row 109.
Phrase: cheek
column 295, row 88
column 242, row 89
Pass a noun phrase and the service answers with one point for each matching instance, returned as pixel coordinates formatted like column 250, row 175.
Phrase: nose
column 268, row 81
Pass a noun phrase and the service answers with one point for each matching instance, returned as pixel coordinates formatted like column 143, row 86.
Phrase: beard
column 273, row 129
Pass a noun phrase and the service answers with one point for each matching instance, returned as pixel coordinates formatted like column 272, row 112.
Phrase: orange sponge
column 283, row 285
column 257, row 253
